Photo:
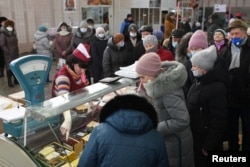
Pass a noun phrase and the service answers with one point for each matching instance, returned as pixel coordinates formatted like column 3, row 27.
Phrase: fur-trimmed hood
column 172, row 78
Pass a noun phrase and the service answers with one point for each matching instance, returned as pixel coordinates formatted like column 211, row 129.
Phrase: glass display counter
column 27, row 147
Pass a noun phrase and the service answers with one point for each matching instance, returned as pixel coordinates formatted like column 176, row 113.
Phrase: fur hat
column 198, row 40
column 118, row 37
column 150, row 39
column 237, row 23
column 98, row 30
column 127, row 102
column 149, row 64
column 42, row 28
column 221, row 31
column 159, row 35
column 206, row 58
column 9, row 23
column 178, row 33
column 82, row 52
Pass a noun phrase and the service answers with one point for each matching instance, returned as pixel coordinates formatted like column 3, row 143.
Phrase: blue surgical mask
column 237, row 41
column 174, row 44
column 83, row 30
column 189, row 55
column 101, row 35
column 120, row 44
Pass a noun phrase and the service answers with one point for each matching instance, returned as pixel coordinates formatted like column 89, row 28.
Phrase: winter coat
column 131, row 48
column 164, row 54
column 126, row 138
column 207, row 106
column 9, row 45
column 114, row 58
column 169, row 25
column 138, row 51
column 97, row 48
column 169, row 102
column 43, row 46
column 239, row 91
column 62, row 43
column 80, row 37
column 216, row 24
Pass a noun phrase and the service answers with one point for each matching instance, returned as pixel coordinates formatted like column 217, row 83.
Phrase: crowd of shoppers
column 194, row 87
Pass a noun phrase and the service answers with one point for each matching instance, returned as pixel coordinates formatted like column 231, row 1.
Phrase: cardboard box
column 18, row 97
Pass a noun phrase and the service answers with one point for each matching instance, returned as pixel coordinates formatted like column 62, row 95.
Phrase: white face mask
column 9, row 28
column 91, row 27
column 132, row 34
column 197, row 73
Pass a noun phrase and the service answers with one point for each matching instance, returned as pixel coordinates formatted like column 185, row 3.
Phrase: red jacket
column 165, row 54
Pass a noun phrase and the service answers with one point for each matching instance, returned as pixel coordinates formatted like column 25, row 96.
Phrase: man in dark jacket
column 238, row 63
column 139, row 49
column 125, row 24
column 2, row 19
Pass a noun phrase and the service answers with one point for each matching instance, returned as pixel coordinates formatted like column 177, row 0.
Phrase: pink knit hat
column 198, row 40
column 149, row 64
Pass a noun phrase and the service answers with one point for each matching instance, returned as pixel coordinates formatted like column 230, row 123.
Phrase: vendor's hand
column 65, row 128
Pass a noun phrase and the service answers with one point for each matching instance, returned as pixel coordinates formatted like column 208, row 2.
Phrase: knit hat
column 82, row 52
column 146, row 28
column 158, row 34
column 205, row 58
column 83, row 24
column 132, row 27
column 178, row 33
column 118, row 37
column 150, row 39
column 221, row 31
column 98, row 30
column 149, row 64
column 237, row 23
column 198, row 40
column 42, row 28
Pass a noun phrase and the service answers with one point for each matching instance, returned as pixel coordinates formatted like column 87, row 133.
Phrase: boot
column 15, row 80
column 1, row 73
column 9, row 75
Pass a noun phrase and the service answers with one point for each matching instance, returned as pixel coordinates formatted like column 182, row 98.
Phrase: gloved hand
column 66, row 125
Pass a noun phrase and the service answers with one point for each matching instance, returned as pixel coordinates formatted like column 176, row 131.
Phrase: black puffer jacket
column 207, row 106
column 114, row 58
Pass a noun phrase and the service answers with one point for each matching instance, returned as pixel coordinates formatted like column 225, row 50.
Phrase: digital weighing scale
column 31, row 72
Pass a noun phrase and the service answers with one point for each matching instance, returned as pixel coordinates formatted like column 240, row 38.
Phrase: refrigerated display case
column 25, row 150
